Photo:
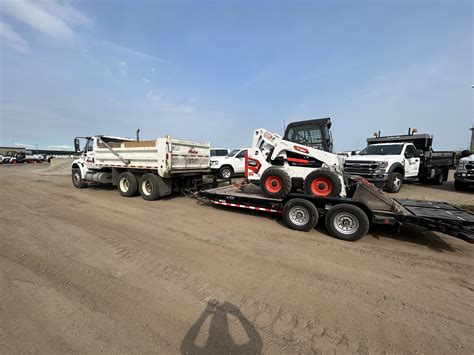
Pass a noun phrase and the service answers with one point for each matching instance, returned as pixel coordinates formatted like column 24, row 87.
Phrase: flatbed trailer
column 349, row 218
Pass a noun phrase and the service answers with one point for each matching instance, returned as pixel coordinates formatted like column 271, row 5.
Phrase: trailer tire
column 77, row 179
column 347, row 222
column 275, row 183
column 226, row 172
column 322, row 183
column 394, row 182
column 127, row 184
column 300, row 215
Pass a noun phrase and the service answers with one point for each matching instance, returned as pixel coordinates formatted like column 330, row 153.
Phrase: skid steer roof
column 314, row 133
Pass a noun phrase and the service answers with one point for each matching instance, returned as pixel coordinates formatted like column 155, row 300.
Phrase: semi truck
column 152, row 168
column 389, row 161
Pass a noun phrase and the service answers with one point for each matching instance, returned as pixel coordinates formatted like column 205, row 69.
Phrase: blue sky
column 217, row 70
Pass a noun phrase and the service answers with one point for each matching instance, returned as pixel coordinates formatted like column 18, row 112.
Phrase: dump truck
column 152, row 168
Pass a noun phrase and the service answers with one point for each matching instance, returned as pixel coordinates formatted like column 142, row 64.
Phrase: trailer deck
column 433, row 215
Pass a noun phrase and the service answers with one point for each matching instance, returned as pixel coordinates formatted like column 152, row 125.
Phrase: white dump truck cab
column 464, row 175
column 154, row 168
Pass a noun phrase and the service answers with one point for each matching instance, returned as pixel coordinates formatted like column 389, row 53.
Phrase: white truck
column 154, row 168
column 229, row 166
column 464, row 175
column 388, row 161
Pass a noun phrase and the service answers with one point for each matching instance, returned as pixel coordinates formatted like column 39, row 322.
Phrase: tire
column 77, row 179
column 347, row 222
column 152, row 187
column 300, row 215
column 322, row 183
column 460, row 186
column 226, row 172
column 275, row 183
column 394, row 182
column 127, row 184
column 439, row 178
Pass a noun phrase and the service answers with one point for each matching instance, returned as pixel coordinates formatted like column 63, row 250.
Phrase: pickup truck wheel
column 226, row 172
column 299, row 214
column 394, row 182
column 127, row 184
column 347, row 222
column 460, row 186
column 149, row 187
column 77, row 179
column 275, row 183
column 322, row 183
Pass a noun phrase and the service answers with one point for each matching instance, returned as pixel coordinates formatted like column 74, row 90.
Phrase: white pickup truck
column 230, row 165
column 464, row 175
column 154, row 168
column 388, row 161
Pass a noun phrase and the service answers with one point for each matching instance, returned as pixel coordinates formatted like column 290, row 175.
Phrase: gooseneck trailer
column 348, row 218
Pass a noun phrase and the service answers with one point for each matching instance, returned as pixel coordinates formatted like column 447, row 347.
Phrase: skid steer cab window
column 311, row 136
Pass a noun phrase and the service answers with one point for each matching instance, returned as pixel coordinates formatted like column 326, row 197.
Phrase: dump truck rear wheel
column 127, row 184
column 148, row 187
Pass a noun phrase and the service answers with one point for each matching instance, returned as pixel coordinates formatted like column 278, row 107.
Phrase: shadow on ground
column 218, row 339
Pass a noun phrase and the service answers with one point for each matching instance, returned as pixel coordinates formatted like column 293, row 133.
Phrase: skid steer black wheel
column 322, row 183
column 275, row 183
column 347, row 222
column 127, row 184
column 299, row 214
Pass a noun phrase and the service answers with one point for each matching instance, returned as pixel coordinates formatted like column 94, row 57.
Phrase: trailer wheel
column 127, row 184
column 275, row 183
column 322, row 183
column 77, row 179
column 347, row 222
column 300, row 215
column 394, row 182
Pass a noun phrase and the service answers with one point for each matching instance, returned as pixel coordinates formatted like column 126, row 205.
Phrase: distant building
column 4, row 150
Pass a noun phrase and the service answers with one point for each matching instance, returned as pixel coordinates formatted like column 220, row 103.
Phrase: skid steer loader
column 300, row 160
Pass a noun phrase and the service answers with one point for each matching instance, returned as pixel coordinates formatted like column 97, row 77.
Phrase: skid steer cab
column 301, row 160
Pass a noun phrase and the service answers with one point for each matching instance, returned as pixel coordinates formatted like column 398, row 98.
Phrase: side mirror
column 465, row 153
column 419, row 153
column 77, row 145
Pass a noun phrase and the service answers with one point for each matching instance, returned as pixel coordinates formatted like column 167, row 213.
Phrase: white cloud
column 50, row 17
column 146, row 80
column 13, row 39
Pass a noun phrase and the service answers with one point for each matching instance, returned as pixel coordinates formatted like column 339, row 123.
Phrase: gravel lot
column 90, row 271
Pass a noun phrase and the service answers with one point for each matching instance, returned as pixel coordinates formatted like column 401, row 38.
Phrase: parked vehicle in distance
column 154, row 168
column 14, row 157
column 464, row 175
column 389, row 161
column 231, row 165
column 33, row 158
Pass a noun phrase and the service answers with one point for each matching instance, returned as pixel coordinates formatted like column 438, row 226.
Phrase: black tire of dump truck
column 127, row 184
column 347, row 222
column 300, row 215
column 275, row 183
column 152, row 187
column 77, row 179
column 394, row 182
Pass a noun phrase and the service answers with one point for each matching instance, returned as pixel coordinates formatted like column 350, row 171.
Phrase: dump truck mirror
column 77, row 145
column 419, row 153
column 465, row 153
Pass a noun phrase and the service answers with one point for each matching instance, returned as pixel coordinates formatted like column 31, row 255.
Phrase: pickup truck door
column 239, row 164
column 89, row 153
column 412, row 162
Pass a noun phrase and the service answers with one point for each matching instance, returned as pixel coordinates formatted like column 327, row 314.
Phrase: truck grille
column 362, row 168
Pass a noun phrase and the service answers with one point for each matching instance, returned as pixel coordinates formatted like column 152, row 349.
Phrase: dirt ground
column 90, row 271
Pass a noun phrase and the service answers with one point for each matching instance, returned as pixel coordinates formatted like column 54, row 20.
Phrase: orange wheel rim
column 321, row 186
column 273, row 184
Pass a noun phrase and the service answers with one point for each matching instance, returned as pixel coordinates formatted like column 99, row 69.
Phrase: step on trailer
column 348, row 218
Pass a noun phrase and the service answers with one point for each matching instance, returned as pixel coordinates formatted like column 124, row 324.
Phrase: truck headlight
column 383, row 165
column 461, row 167
column 214, row 162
